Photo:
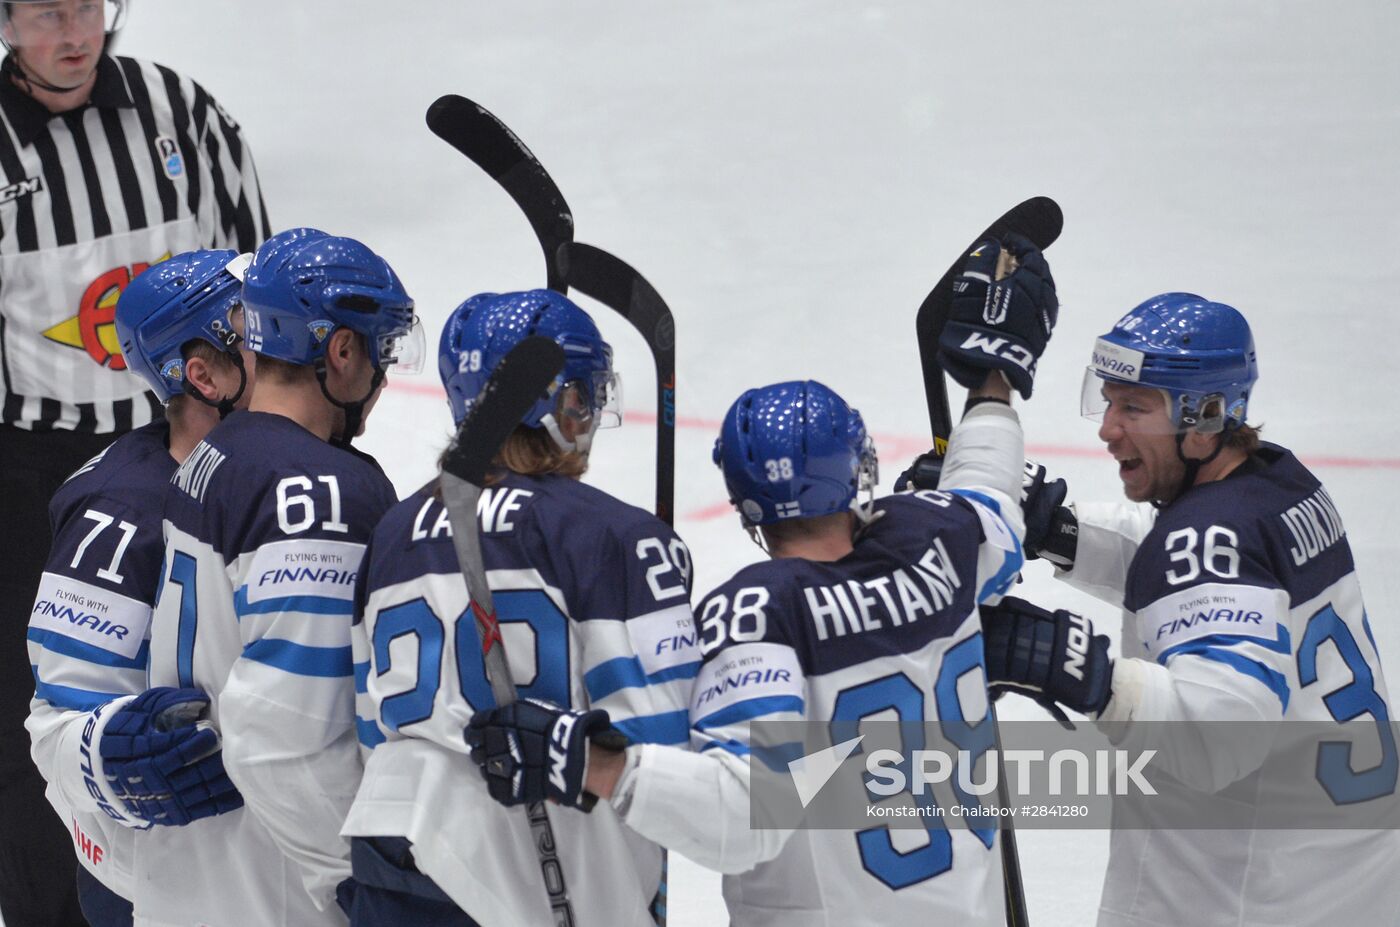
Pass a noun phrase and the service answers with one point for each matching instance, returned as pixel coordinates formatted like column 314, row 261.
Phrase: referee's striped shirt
column 150, row 167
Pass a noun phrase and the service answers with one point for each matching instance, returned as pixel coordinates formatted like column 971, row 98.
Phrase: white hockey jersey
column 265, row 530
column 892, row 629
column 593, row 598
column 1243, row 605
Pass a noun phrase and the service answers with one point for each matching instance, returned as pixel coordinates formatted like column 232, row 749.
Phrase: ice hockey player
column 265, row 525
column 863, row 609
column 95, row 727
column 593, row 596
column 1243, row 605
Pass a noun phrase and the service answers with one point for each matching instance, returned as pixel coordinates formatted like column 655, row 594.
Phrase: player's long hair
column 1244, row 438
column 532, row 452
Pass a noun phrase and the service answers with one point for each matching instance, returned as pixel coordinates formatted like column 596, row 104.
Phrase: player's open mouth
column 1129, row 465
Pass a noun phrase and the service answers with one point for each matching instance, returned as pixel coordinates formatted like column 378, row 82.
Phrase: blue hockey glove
column 163, row 765
column 923, row 473
column 531, row 750
column 999, row 324
column 1053, row 657
column 1052, row 531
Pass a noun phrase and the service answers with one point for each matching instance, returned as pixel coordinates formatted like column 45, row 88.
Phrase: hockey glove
column 164, row 766
column 532, row 750
column 923, row 473
column 999, row 324
column 1053, row 657
column 1052, row 531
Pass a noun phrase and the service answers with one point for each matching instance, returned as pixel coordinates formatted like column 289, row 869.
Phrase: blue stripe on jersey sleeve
column 728, row 746
column 749, row 709
column 1270, row 677
column 1282, row 643
column 67, row 697
column 369, row 733
column 362, row 677
column 299, row 659
column 626, row 673
column 1014, row 560
column 671, row 727
column 66, row 646
column 310, row 604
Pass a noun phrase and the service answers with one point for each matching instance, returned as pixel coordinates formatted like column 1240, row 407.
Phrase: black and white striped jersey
column 151, row 167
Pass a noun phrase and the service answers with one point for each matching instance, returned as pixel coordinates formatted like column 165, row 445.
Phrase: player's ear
column 342, row 348
column 199, row 373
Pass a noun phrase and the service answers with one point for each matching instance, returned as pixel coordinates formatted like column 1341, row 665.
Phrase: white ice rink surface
column 793, row 177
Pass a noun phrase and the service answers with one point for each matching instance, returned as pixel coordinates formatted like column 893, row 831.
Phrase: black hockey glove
column 1053, row 657
column 999, row 324
column 1052, row 531
column 923, row 473
column 165, row 767
column 532, row 750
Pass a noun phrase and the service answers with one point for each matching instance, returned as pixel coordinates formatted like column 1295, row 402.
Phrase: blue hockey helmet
column 794, row 450
column 304, row 284
column 482, row 330
column 1199, row 353
column 186, row 297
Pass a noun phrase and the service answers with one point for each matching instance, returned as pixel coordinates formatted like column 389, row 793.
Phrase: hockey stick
column 612, row 282
column 1040, row 220
column 520, row 379
column 475, row 132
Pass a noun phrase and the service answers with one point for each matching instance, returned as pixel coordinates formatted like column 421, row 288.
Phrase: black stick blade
column 617, row 285
column 1039, row 219
column 474, row 131
column 517, row 383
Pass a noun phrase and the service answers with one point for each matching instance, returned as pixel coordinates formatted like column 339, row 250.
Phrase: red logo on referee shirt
column 92, row 329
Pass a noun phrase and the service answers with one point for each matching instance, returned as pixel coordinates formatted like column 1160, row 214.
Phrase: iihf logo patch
column 173, row 370
column 320, row 329
column 170, row 158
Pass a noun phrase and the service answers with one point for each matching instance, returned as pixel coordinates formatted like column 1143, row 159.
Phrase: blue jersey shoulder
column 1270, row 523
column 106, row 517
column 609, row 559
column 258, row 478
column 910, row 579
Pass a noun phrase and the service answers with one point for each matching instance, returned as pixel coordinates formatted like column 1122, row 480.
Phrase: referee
column 107, row 165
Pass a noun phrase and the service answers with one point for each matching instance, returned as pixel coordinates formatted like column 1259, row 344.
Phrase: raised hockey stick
column 1040, row 220
column 475, row 132
column 612, row 282
column 515, row 385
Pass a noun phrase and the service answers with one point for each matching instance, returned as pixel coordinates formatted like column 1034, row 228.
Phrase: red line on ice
column 901, row 447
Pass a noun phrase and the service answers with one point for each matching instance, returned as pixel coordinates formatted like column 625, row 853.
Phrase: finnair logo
column 1118, row 362
column 811, row 772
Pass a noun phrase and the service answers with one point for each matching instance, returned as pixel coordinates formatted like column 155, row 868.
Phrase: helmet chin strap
column 354, row 410
column 224, row 405
column 1193, row 467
